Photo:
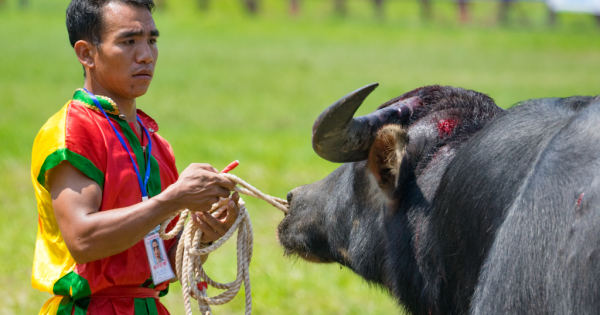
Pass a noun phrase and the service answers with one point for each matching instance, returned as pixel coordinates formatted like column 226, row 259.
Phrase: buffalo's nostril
column 289, row 197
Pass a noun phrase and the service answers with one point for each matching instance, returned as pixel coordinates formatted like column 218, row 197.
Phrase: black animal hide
column 493, row 213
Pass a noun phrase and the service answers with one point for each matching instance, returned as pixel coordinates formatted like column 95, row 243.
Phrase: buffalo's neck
column 363, row 222
column 412, row 251
column 366, row 248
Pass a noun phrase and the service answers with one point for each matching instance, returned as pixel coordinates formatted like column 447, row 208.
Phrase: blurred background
column 245, row 79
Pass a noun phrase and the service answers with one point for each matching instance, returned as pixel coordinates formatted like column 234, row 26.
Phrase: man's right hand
column 199, row 186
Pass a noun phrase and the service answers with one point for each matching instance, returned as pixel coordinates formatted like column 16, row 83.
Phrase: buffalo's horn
column 337, row 137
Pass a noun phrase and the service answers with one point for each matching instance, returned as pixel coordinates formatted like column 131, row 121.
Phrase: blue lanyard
column 144, row 184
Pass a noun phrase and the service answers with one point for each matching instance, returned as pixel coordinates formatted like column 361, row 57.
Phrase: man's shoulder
column 56, row 122
column 74, row 114
column 75, row 107
column 70, row 134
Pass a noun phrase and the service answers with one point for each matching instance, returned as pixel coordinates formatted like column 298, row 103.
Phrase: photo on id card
column 158, row 259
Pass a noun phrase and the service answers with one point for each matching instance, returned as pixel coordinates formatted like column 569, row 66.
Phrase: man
column 95, row 164
column 157, row 254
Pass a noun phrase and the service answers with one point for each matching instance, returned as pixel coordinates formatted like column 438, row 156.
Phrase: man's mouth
column 144, row 75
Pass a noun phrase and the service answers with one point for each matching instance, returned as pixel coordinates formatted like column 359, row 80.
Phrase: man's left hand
column 214, row 228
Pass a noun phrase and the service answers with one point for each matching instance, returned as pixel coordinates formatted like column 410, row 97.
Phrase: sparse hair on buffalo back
column 84, row 18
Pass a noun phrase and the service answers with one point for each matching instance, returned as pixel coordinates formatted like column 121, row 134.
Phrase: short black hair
column 84, row 18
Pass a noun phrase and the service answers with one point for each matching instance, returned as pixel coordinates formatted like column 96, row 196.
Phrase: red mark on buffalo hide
column 446, row 126
column 578, row 210
column 579, row 200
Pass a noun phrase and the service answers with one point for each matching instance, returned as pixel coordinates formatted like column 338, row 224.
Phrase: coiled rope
column 189, row 267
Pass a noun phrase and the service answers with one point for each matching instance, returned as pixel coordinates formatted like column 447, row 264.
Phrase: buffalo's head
column 393, row 161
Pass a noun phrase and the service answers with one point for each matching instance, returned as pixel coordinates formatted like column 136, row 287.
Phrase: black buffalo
column 457, row 206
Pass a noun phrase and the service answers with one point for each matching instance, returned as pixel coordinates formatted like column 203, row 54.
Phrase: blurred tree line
column 340, row 8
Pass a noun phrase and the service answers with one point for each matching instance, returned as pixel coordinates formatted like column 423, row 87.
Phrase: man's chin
column 138, row 90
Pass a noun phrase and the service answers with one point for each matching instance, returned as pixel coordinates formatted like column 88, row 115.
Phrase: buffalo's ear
column 386, row 156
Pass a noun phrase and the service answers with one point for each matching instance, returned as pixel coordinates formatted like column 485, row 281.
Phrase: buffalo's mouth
column 296, row 252
column 302, row 240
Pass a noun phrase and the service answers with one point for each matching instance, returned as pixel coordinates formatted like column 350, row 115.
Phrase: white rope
column 189, row 268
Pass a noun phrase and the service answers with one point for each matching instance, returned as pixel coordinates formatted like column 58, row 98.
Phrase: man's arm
column 91, row 234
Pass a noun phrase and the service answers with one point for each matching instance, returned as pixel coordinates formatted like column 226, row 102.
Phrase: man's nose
column 145, row 54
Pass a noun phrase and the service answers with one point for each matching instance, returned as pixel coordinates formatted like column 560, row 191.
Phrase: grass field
column 229, row 86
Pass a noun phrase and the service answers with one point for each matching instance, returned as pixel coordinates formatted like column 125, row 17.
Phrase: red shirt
column 80, row 134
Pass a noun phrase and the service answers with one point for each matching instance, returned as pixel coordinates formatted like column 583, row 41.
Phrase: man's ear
column 386, row 156
column 86, row 52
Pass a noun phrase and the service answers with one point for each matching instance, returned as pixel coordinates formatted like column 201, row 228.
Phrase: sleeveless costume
column 80, row 134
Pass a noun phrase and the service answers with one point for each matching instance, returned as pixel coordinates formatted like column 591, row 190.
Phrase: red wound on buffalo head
column 446, row 126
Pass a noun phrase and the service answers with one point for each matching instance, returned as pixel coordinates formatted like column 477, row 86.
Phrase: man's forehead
column 120, row 17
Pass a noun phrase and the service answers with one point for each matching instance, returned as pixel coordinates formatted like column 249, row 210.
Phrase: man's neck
column 127, row 106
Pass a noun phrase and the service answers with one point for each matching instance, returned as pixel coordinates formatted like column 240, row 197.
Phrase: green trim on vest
column 108, row 105
column 154, row 185
column 81, row 163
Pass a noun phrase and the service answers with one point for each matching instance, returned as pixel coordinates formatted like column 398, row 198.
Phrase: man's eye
column 152, row 41
column 130, row 42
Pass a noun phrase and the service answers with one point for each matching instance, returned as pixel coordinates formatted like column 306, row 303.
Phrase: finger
column 196, row 220
column 222, row 192
column 236, row 197
column 214, row 223
column 208, row 167
column 189, row 170
column 221, row 217
column 232, row 210
column 214, row 192
column 203, row 204
column 224, row 182
column 208, row 233
column 206, row 202
column 212, row 200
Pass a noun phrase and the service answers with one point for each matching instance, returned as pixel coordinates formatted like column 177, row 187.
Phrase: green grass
column 229, row 86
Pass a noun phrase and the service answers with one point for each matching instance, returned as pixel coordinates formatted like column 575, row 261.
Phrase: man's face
column 125, row 60
column 156, row 249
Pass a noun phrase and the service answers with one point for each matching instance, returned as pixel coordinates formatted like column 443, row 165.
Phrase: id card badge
column 158, row 258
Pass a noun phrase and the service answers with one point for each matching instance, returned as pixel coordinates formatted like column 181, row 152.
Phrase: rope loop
column 189, row 268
